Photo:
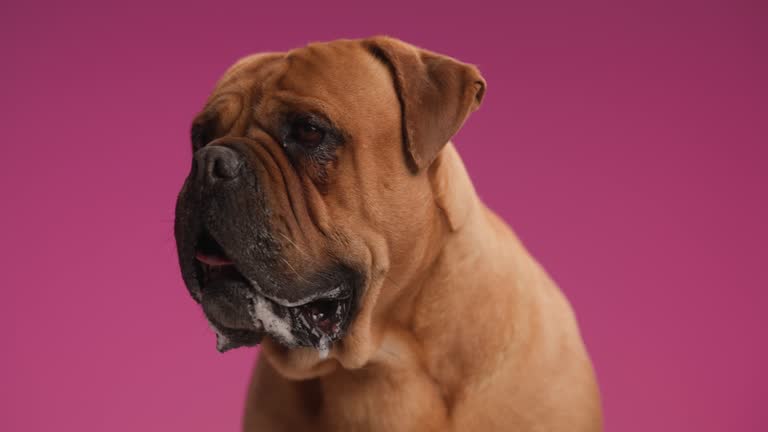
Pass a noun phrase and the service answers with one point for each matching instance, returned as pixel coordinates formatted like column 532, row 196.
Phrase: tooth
column 304, row 320
column 324, row 346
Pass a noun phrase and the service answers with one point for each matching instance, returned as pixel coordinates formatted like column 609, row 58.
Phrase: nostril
column 226, row 167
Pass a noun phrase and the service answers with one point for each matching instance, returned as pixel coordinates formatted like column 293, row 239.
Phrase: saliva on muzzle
column 315, row 324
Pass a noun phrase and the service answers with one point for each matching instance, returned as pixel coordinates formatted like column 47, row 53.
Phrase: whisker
column 294, row 244
column 294, row 270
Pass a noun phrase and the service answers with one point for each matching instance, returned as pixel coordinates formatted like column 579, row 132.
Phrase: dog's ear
column 436, row 94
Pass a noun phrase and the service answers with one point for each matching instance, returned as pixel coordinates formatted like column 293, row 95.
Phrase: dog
column 328, row 217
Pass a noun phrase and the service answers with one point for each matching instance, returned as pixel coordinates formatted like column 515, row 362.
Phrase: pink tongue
column 212, row 260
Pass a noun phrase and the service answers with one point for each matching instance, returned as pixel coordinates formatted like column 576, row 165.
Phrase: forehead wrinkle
column 248, row 74
column 245, row 81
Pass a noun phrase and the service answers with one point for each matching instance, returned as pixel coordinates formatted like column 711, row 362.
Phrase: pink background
column 627, row 145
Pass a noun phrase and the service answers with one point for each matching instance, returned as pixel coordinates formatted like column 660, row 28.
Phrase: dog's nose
column 218, row 163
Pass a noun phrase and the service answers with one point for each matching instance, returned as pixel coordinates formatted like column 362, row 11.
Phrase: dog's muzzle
column 229, row 259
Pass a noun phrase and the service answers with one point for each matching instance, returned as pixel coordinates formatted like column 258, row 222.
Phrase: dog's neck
column 472, row 241
column 432, row 333
column 430, row 339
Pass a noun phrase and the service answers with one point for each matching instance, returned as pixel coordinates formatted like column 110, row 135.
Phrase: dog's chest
column 383, row 400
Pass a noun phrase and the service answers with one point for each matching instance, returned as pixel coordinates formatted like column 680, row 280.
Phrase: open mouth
column 241, row 313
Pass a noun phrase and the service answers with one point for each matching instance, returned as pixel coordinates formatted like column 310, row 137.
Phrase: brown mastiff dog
column 328, row 218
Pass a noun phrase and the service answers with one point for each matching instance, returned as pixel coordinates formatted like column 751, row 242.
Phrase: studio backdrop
column 625, row 142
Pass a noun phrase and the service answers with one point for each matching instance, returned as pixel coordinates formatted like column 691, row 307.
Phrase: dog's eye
column 305, row 133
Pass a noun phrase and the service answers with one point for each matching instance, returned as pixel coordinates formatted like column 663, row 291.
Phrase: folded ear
column 436, row 94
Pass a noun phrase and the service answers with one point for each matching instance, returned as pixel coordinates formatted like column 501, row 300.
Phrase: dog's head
column 309, row 188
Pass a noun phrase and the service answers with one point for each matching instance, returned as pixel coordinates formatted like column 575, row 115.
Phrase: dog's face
column 308, row 189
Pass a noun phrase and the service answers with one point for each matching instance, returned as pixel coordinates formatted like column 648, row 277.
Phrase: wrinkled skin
column 445, row 322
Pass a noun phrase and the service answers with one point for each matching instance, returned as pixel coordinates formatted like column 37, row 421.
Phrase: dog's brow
column 292, row 105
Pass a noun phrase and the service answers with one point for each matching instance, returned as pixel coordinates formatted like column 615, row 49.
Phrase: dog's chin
column 241, row 315
column 225, row 304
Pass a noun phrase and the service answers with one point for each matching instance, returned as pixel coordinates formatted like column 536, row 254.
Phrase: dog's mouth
column 241, row 313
